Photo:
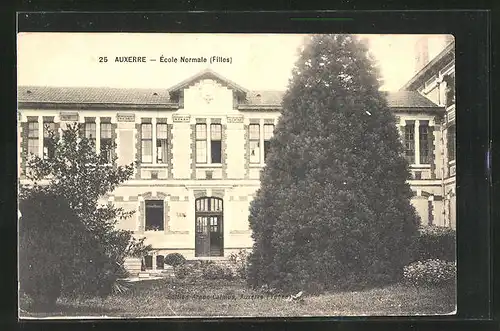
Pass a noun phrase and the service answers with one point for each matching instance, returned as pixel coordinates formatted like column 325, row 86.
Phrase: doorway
column 209, row 231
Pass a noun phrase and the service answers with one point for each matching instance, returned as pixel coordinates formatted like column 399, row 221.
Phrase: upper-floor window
column 450, row 89
column 48, row 145
column 254, row 142
column 424, row 135
column 106, row 141
column 268, row 133
column 450, row 137
column 91, row 132
column 409, row 142
column 33, row 137
column 161, row 143
column 201, row 143
column 147, row 142
column 216, row 143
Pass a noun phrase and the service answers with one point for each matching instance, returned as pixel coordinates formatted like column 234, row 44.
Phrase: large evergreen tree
column 69, row 242
column 333, row 209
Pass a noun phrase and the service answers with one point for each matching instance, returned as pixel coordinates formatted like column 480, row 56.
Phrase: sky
column 258, row 61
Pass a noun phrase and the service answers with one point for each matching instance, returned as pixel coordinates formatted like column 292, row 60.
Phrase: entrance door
column 209, row 239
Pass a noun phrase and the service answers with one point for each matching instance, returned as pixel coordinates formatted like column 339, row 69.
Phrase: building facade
column 435, row 79
column 200, row 147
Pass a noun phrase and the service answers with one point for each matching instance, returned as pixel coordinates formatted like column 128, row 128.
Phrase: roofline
column 447, row 50
column 94, row 105
column 186, row 82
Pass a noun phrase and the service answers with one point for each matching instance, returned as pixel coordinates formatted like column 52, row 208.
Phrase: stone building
column 200, row 146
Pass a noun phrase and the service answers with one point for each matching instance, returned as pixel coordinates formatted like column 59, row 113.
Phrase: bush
column 239, row 262
column 208, row 270
column 175, row 259
column 436, row 242
column 215, row 271
column 430, row 272
column 334, row 205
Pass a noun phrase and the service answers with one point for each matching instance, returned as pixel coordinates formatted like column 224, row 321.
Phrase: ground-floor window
column 154, row 215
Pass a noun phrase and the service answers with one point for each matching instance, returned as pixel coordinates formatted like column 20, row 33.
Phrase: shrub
column 215, row 271
column 186, row 271
column 175, row 259
column 436, row 242
column 430, row 272
column 239, row 262
column 334, row 205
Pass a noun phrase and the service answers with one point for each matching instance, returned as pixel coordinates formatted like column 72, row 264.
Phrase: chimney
column 421, row 52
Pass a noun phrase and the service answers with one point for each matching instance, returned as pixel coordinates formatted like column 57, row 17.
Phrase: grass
column 176, row 298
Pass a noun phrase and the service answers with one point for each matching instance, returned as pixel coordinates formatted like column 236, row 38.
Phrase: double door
column 209, row 235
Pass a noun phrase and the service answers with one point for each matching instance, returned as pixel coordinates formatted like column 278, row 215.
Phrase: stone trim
column 31, row 118
column 118, row 199
column 89, row 119
column 175, row 198
column 238, row 232
column 224, row 151
column 201, row 120
column 219, row 193
column 199, row 193
column 254, row 121
column 161, row 120
column 24, row 148
column 193, row 151
column 138, row 150
column 432, row 146
column 430, row 215
column 133, row 198
column 170, row 154
column 243, row 198
column 215, row 121
column 269, row 121
column 146, row 120
column 114, row 138
column 246, row 159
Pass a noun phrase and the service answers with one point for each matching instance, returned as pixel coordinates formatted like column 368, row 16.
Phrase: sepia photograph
column 189, row 175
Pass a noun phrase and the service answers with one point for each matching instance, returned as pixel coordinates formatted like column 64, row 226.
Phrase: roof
column 207, row 73
column 136, row 96
column 421, row 74
column 408, row 99
column 105, row 95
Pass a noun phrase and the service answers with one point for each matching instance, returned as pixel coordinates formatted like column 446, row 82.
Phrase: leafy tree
column 67, row 237
column 333, row 209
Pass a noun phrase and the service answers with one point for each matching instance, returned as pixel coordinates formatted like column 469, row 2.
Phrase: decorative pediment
column 203, row 76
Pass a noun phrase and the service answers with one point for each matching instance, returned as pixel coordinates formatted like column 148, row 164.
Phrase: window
column 48, row 144
column 254, row 140
column 161, row 143
column 425, row 151
column 450, row 137
column 450, row 89
column 106, row 142
column 154, row 215
column 215, row 143
column 410, row 143
column 33, row 138
column 201, row 143
column 147, row 142
column 90, row 132
column 268, row 133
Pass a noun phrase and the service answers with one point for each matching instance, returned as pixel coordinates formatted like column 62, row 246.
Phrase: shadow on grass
column 67, row 309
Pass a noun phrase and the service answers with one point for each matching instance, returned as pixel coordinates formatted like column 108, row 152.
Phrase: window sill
column 257, row 165
column 208, row 165
column 420, row 166
column 154, row 165
column 452, row 162
column 154, row 231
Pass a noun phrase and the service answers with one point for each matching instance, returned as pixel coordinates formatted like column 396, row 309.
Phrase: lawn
column 176, row 298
